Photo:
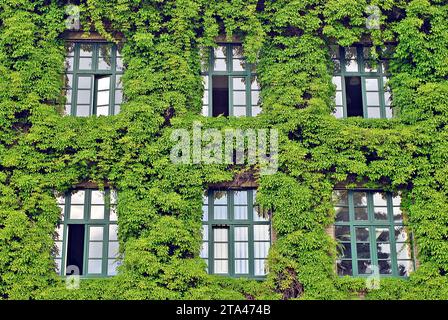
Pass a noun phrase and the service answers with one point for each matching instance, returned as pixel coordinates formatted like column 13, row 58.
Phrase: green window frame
column 356, row 61
column 371, row 235
column 96, row 211
column 93, row 84
column 236, row 237
column 244, row 90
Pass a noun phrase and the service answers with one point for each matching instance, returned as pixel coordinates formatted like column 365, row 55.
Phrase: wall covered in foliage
column 159, row 206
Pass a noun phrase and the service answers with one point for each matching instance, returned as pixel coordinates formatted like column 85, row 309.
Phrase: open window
column 230, row 83
column 361, row 83
column 93, row 79
column 87, row 240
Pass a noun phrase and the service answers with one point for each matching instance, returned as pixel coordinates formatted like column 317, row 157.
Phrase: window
column 87, row 239
column 370, row 232
column 93, row 79
column 230, row 84
column 361, row 83
column 236, row 237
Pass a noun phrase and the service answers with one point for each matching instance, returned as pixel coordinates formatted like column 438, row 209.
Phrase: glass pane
column 385, row 266
column 340, row 197
column 220, row 197
column 255, row 97
column 84, row 82
column 360, row 198
column 205, row 232
column 382, row 234
column 96, row 233
column 396, row 201
column 237, row 51
column 239, row 98
column 400, row 233
column 240, row 197
column 387, row 98
column 342, row 214
column 364, row 267
column 221, row 250
column 241, row 266
column 95, row 249
column 373, row 98
column 260, row 269
column 239, row 83
column 350, row 53
column 204, row 250
column 239, row 111
column 398, row 216
column 351, row 66
column 69, row 61
column 113, row 232
column 205, row 213
column 221, row 266
column 97, row 197
column 337, row 81
column 404, row 267
column 113, row 250
column 334, row 52
column 383, row 250
column 362, row 234
column 220, row 65
column 220, row 212
column 342, row 233
column 95, row 266
column 370, row 66
column 255, row 111
column 345, row 268
column 220, row 52
column 205, row 97
column 102, row 98
column 241, row 234
column 58, row 266
column 77, row 212
column 85, row 63
column 261, row 249
column 338, row 98
column 120, row 66
column 380, row 213
column 361, row 214
column 345, row 250
column 104, row 83
column 255, row 85
column 58, row 245
column 84, row 96
column 104, row 63
column 113, row 213
column 118, row 96
column 82, row 110
column 238, row 65
column 380, row 199
column 102, row 111
column 112, row 266
column 241, row 250
column 261, row 232
column 119, row 83
column 373, row 113
column 403, row 251
column 220, row 234
column 97, row 212
column 78, row 197
column 372, row 85
column 363, row 250
column 85, row 50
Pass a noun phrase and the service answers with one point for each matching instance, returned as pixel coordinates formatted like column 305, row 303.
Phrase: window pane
column 104, row 83
column 362, row 234
column 77, row 212
column 239, row 98
column 380, row 213
column 221, row 250
column 204, row 250
column 83, row 110
column 361, row 214
column 382, row 234
column 360, row 198
column 340, row 197
column 261, row 232
column 342, row 214
column 78, row 197
column 97, row 212
column 400, row 233
column 383, row 250
column 85, row 63
column 351, row 66
column 342, row 233
column 97, row 197
column 372, row 85
column 85, row 50
column 365, row 267
column 113, row 250
column 385, row 267
column 373, row 98
column 363, row 250
column 239, row 111
column 220, row 234
column 84, row 96
column 380, row 199
column 239, row 83
column 113, row 232
column 103, row 98
column 240, row 197
column 205, row 213
column 404, row 267
column 112, row 266
column 403, row 251
column 260, row 267
column 255, row 97
column 345, row 268
column 220, row 197
column 345, row 250
column 373, row 113
column 102, row 111
column 337, row 81
column 241, row 266
column 241, row 234
column 95, row 266
column 241, row 250
column 118, row 96
column 261, row 249
column 95, row 249
column 205, row 232
column 113, row 213
column 238, row 64
column 338, row 99
column 221, row 266
column 220, row 65
column 96, row 233
column 84, row 82
column 220, row 212
column 350, row 53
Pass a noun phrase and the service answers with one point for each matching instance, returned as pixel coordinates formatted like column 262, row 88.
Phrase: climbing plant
column 43, row 152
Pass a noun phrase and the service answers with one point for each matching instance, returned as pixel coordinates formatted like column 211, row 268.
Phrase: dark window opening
column 220, row 95
column 354, row 96
column 75, row 248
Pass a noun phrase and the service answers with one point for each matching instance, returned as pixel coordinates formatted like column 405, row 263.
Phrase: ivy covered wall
column 159, row 205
